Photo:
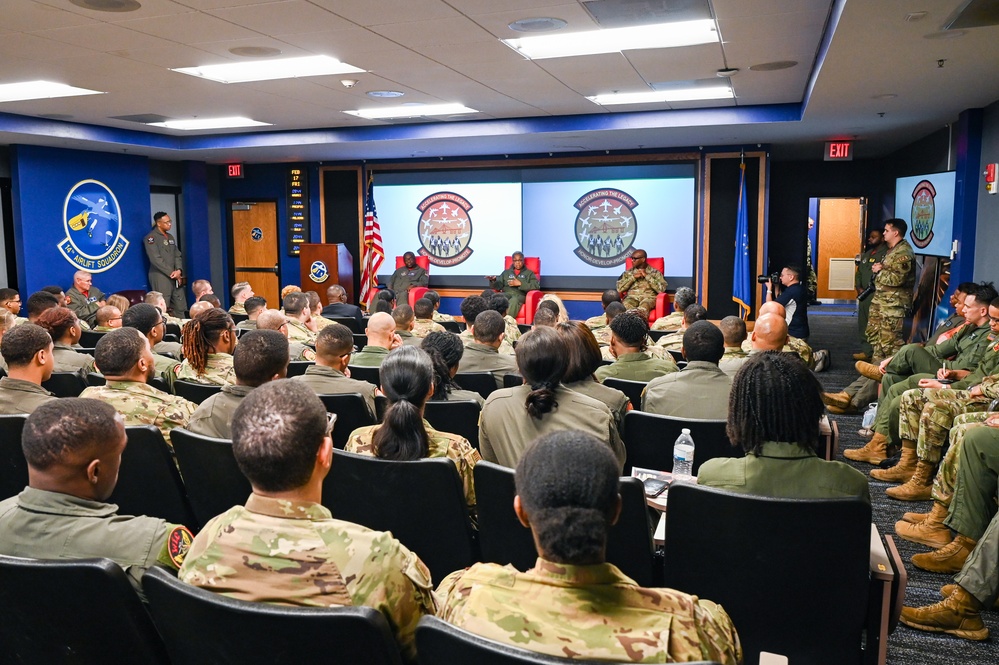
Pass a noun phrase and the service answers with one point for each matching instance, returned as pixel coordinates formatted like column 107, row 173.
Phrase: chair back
column 441, row 643
column 633, row 389
column 459, row 417
column 239, row 318
column 677, row 357
column 212, row 479
column 452, row 327
column 148, row 481
column 351, row 413
column 100, row 619
column 422, row 261
column 416, row 293
column 89, row 338
column 512, row 380
column 253, row 633
column 298, row 367
column 348, row 321
column 360, row 340
column 364, row 373
column 649, row 439
column 761, row 557
column 657, row 262
column 134, row 296
column 656, row 335
column 13, row 467
column 483, row 383
column 532, row 263
column 421, row 502
column 65, row 384
column 172, row 329
column 503, row 539
column 193, row 391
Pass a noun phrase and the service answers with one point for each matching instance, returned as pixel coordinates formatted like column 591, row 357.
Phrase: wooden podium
column 338, row 264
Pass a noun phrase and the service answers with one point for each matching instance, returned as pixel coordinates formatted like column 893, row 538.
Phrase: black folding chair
column 89, row 338
column 369, row 374
column 633, row 389
column 98, row 617
column 194, row 392
column 212, row 479
column 351, row 412
column 452, row 327
column 360, row 340
column 238, row 318
column 483, row 383
column 13, row 467
column 649, row 439
column 512, row 380
column 350, row 322
column 459, row 417
column 65, row 384
column 298, row 367
column 252, row 633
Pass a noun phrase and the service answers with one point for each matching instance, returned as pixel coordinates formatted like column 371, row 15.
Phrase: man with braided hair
column 574, row 602
column 209, row 340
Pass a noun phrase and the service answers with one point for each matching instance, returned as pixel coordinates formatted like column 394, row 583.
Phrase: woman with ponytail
column 445, row 350
column 513, row 417
column 407, row 380
column 64, row 328
column 209, row 340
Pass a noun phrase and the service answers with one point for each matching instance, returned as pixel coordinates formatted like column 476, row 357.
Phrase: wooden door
column 841, row 227
column 255, row 249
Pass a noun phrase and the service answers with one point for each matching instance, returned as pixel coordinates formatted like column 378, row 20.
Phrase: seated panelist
column 515, row 282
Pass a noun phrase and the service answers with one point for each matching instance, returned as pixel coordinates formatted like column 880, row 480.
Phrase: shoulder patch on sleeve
column 178, row 543
column 150, row 240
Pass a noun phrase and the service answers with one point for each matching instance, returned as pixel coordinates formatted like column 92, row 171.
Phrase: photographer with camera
column 794, row 298
column 864, row 283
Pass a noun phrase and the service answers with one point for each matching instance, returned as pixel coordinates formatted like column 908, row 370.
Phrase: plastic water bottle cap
column 684, row 431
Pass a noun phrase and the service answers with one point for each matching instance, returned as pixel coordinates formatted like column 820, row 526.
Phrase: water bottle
column 683, row 456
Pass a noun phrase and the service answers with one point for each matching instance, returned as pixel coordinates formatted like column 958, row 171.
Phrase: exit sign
column 234, row 170
column 839, row 151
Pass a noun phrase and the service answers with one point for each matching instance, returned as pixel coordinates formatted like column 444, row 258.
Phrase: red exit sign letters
column 839, row 151
column 234, row 170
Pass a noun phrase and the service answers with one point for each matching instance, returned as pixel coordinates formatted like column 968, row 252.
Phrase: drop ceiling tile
column 341, row 44
column 189, row 28
column 104, row 37
column 685, row 63
column 147, row 9
column 278, row 18
column 497, row 22
column 40, row 48
column 32, row 16
column 436, row 34
column 382, row 12
column 222, row 48
column 169, row 57
column 591, row 74
column 729, row 9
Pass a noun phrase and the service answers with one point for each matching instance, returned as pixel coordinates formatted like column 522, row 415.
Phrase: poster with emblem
column 926, row 203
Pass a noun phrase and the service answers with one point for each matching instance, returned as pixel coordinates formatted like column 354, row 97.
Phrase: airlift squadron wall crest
column 445, row 228
column 605, row 227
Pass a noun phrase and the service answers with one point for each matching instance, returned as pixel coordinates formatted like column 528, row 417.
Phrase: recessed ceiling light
column 588, row 42
column 384, row 94
column 660, row 96
column 17, row 92
column 107, row 5
column 946, row 34
column 887, row 95
column 915, row 16
column 727, row 72
column 269, row 70
column 773, row 66
column 255, row 51
column 538, row 24
column 209, row 123
column 411, row 111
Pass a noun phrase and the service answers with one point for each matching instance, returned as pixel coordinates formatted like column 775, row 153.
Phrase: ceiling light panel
column 16, row 92
column 272, row 69
column 209, row 123
column 411, row 111
column 662, row 96
column 663, row 35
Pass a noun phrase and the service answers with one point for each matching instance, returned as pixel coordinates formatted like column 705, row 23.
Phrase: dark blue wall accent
column 42, row 178
column 194, row 195
column 969, row 154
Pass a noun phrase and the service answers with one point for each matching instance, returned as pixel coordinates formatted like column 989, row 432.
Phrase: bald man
column 769, row 333
column 339, row 307
column 382, row 338
column 272, row 319
column 199, row 307
column 793, row 344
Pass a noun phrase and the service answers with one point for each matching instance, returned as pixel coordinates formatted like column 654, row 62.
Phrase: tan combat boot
column 902, row 471
column 840, row 400
column 930, row 532
column 861, row 356
column 919, row 487
column 875, row 452
column 957, row 614
column 869, row 370
column 914, row 518
column 947, row 559
column 948, row 589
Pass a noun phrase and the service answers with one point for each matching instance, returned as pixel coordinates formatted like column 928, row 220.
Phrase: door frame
column 231, row 268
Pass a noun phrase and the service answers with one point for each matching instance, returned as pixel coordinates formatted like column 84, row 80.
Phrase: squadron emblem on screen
column 605, row 227
column 445, row 228
column 923, row 214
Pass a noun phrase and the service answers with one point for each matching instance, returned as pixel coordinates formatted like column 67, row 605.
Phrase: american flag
column 373, row 254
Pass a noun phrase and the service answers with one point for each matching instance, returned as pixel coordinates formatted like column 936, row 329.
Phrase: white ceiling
column 449, row 51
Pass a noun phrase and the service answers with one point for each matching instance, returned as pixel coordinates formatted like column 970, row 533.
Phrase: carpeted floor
column 838, row 334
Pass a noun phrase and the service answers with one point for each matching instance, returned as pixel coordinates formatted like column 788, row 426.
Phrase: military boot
column 869, row 370
column 958, row 614
column 861, row 356
column 840, row 399
column 948, row 589
column 947, row 559
column 875, row 450
column 914, row 518
column 930, row 532
column 918, row 488
column 902, row 471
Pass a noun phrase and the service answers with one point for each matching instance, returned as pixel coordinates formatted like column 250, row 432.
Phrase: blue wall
column 42, row 179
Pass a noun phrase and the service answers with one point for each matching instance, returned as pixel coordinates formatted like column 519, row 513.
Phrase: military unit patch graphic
column 318, row 272
column 92, row 219
column 923, row 214
column 445, row 228
column 605, row 227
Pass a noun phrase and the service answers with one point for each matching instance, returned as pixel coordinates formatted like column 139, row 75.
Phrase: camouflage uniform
column 238, row 308
column 218, row 371
column 103, row 329
column 52, row 525
column 516, row 294
column 891, row 301
column 441, row 318
column 68, row 359
column 592, row 612
column 946, row 477
column 512, row 329
column 176, row 349
column 423, row 327
column 20, row 397
column 213, row 417
column 328, row 381
column 861, row 280
column 294, row 553
column 467, row 338
column 298, row 332
column 636, row 367
column 671, row 342
column 733, row 359
column 246, row 325
column 671, row 321
column 141, row 404
column 321, row 322
column 641, row 292
column 596, row 321
column 298, row 351
column 798, row 347
column 926, row 416
column 602, row 335
column 442, row 444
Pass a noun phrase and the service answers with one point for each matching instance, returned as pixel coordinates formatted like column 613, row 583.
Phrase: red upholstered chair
column 416, row 292
column 664, row 301
column 532, row 298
